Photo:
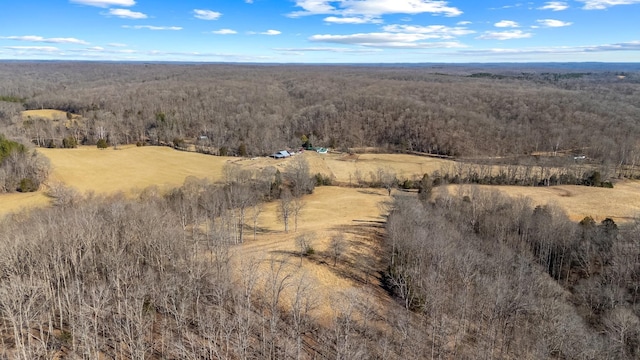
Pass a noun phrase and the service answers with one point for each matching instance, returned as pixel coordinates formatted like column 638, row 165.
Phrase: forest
column 461, row 275
column 455, row 111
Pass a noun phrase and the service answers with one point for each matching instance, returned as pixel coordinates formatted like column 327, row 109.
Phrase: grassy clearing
column 328, row 211
column 621, row 203
column 15, row 202
column 343, row 167
column 130, row 168
column 48, row 114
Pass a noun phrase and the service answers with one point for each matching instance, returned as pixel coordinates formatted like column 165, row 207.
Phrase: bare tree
column 304, row 245
column 337, row 247
column 285, row 208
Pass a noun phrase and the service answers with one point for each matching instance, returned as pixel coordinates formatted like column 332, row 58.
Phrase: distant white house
column 280, row 154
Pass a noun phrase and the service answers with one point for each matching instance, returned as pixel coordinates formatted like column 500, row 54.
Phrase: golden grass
column 327, row 212
column 55, row 116
column 622, row 203
column 343, row 167
column 130, row 168
column 48, row 114
column 15, row 202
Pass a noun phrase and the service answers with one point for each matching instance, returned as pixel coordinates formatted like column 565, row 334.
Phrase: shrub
column 223, row 151
column 242, row 150
column 322, row 180
column 102, row 144
column 69, row 142
column 407, row 184
column 27, row 185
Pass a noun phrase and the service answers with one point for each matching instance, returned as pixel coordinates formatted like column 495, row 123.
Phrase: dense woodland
column 441, row 110
column 476, row 275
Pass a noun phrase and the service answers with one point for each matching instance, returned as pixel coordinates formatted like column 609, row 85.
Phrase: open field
column 329, row 211
column 343, row 168
column 621, row 203
column 48, row 114
column 14, row 202
column 130, row 168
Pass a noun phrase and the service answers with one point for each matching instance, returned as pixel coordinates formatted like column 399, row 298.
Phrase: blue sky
column 319, row 31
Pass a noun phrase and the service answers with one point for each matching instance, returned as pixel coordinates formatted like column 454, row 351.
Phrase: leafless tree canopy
column 472, row 276
column 461, row 111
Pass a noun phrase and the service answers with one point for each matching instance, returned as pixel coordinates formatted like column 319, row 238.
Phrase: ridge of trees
column 506, row 279
column 257, row 109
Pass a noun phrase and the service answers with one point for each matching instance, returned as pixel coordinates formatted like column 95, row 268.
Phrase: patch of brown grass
column 15, row 202
column 130, row 168
column 622, row 203
column 328, row 211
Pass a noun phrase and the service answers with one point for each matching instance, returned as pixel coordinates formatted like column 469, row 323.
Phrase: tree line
column 258, row 109
column 495, row 277
column 21, row 168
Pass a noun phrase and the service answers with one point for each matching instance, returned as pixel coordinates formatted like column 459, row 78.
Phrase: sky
column 321, row 31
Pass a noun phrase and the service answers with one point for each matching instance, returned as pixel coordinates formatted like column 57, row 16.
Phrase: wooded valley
column 445, row 272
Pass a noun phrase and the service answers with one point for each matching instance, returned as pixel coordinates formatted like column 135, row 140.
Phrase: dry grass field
column 48, row 114
column 354, row 213
column 129, row 168
column 56, row 116
column 622, row 203
column 15, row 202
column 343, row 168
column 329, row 211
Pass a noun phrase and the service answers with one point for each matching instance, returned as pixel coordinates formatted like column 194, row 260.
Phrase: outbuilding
column 280, row 154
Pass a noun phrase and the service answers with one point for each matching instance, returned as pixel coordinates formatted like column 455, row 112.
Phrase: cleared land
column 45, row 114
column 130, row 168
column 329, row 211
column 621, row 203
column 354, row 213
column 15, row 202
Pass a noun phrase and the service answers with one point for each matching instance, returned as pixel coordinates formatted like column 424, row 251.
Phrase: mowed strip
column 130, row 168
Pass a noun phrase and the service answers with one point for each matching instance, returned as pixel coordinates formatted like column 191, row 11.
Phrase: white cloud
column 117, row 45
column 249, row 1
column 224, row 32
column 105, row 3
column 151, row 27
column 34, row 38
column 127, row 14
column 33, row 48
column 462, row 23
column 386, row 40
column 506, row 24
column 373, row 8
column 352, row 20
column 504, row 35
column 603, row 4
column 553, row 23
column 430, row 31
column 626, row 46
column 96, row 48
column 271, row 32
column 329, row 49
column 554, row 6
column 206, row 14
